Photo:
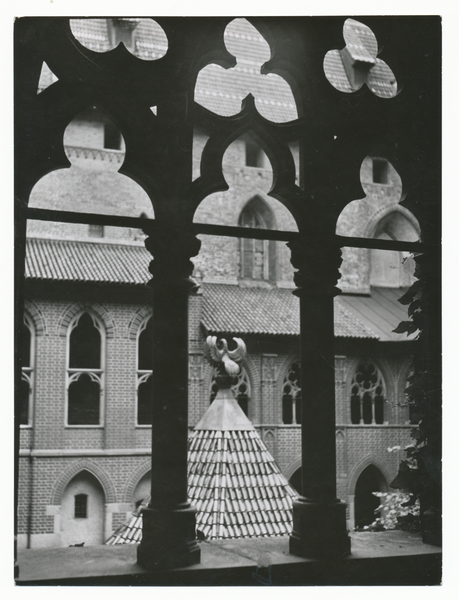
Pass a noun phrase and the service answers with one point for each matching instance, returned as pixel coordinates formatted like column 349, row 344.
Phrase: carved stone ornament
column 226, row 361
column 172, row 261
column 317, row 267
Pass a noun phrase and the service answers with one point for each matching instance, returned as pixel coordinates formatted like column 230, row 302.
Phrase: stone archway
column 82, row 513
column 142, row 489
column 365, row 503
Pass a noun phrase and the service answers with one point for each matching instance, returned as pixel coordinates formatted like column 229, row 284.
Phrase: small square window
column 253, row 155
column 380, row 171
column 81, row 506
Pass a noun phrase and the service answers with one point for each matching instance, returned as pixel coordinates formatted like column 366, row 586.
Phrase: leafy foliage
column 420, row 472
column 399, row 510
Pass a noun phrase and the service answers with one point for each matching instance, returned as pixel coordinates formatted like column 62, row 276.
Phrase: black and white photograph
column 227, row 300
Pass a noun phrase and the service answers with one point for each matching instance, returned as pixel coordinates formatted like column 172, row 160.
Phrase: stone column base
column 168, row 538
column 319, row 530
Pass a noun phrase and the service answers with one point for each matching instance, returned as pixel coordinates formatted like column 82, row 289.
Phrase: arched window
column 257, row 257
column 390, row 268
column 144, row 371
column 410, row 413
column 291, row 395
column 26, row 391
column 368, row 393
column 241, row 390
column 85, row 371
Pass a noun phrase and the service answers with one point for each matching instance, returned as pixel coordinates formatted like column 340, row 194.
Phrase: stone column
column 319, row 517
column 169, row 523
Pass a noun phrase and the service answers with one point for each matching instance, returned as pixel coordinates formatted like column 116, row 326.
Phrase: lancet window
column 85, row 371
column 25, row 411
column 257, row 257
column 144, row 372
column 291, row 395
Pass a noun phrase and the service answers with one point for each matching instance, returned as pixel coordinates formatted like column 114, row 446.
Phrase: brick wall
column 266, row 370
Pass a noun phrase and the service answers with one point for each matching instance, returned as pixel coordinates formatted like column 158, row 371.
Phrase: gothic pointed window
column 144, row 372
column 291, row 395
column 85, row 371
column 368, row 393
column 257, row 257
column 26, row 391
column 392, row 268
column 241, row 390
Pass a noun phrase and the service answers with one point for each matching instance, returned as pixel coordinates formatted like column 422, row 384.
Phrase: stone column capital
column 171, row 248
column 316, row 266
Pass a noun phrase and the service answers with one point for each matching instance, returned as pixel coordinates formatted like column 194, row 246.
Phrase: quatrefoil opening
column 357, row 64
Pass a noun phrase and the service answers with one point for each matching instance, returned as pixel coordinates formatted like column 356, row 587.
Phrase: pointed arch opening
column 368, row 395
column 28, row 368
column 291, row 395
column 257, row 257
column 142, row 490
column 144, row 373
column 85, row 371
column 82, row 512
column 391, row 268
column 366, row 503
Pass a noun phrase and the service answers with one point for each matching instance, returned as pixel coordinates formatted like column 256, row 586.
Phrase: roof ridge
column 83, row 240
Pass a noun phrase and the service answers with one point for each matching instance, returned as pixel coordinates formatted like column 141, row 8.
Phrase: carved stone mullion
column 317, row 266
column 169, row 521
column 171, row 264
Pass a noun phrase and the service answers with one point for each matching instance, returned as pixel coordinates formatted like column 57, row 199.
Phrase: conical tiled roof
column 233, row 481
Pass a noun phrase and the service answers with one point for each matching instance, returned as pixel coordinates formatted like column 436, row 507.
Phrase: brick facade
column 116, row 452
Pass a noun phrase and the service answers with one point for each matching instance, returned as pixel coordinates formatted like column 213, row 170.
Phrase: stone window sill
column 383, row 558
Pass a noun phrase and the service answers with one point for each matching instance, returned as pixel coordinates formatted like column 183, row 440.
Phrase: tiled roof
column 227, row 309
column 63, row 260
column 236, row 310
column 233, row 481
column 381, row 312
column 92, row 33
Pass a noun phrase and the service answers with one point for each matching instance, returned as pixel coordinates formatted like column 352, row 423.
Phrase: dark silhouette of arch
column 371, row 480
column 295, row 480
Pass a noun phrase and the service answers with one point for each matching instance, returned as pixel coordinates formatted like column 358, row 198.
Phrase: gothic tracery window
column 291, row 395
column 144, row 373
column 241, row 390
column 85, row 371
column 26, row 393
column 368, row 393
